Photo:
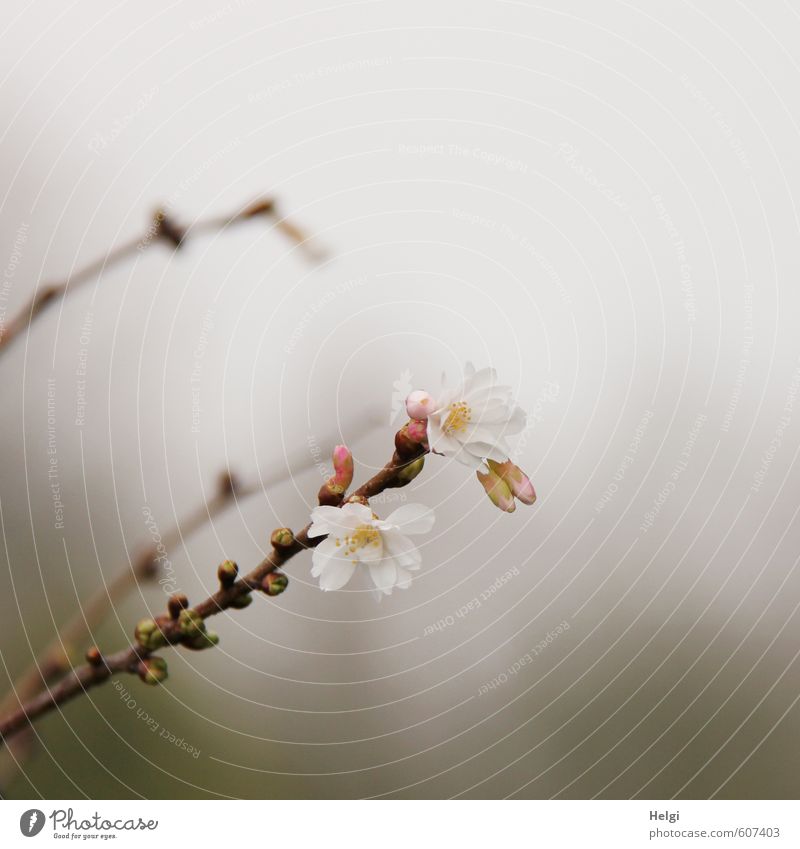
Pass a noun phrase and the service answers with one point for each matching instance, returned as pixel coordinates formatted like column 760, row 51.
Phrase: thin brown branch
column 54, row 659
column 129, row 660
column 162, row 229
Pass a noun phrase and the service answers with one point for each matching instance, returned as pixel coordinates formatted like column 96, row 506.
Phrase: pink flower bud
column 516, row 480
column 498, row 491
column 342, row 468
column 419, row 404
column 333, row 490
column 417, row 430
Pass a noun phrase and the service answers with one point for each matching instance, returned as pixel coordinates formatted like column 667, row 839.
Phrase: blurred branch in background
column 56, row 659
column 162, row 229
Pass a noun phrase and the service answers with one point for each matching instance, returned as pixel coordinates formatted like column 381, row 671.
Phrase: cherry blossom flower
column 471, row 421
column 357, row 537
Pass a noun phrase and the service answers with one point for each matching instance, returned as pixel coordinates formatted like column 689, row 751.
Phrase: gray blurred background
column 597, row 199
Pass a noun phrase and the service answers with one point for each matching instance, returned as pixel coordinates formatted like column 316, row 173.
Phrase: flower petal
column 361, row 512
column 323, row 520
column 516, row 421
column 484, row 433
column 472, row 461
column 336, row 572
column 322, row 554
column 401, row 549
column 403, row 579
column 412, row 519
column 439, row 441
column 492, row 412
column 335, row 520
column 488, row 451
column 483, row 379
column 490, row 395
column 383, row 574
column 372, row 551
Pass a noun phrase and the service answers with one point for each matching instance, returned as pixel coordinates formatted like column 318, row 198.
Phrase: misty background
column 596, row 199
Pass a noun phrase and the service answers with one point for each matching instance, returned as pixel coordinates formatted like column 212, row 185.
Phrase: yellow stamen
column 458, row 418
column 362, row 536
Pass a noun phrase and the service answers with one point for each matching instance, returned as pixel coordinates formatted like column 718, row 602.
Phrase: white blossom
column 472, row 420
column 357, row 537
